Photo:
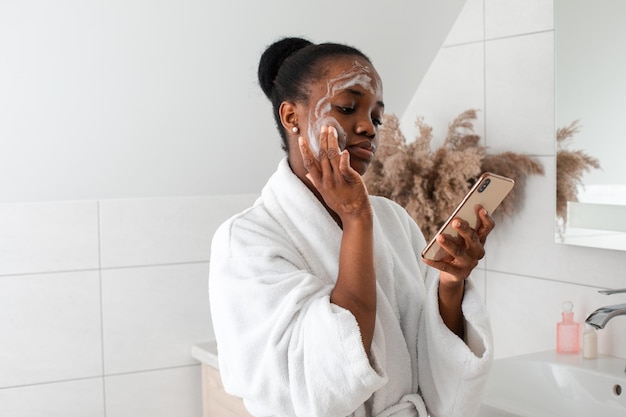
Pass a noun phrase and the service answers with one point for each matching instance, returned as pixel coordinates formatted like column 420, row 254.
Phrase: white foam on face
column 359, row 75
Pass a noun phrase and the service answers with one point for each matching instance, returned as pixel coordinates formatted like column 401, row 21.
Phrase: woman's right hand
column 340, row 186
column 344, row 192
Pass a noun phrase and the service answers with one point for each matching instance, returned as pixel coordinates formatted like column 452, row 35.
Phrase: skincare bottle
column 590, row 343
column 567, row 331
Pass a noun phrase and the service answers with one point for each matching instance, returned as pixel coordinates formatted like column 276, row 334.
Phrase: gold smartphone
column 488, row 192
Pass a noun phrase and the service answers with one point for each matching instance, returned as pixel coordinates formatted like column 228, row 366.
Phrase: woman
column 321, row 303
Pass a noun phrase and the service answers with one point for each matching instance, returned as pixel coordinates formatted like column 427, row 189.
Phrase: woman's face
column 348, row 97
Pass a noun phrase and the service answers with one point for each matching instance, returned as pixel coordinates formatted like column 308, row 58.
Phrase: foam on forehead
column 357, row 75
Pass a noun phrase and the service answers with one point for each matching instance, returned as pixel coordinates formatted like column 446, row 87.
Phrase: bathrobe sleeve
column 283, row 346
column 452, row 372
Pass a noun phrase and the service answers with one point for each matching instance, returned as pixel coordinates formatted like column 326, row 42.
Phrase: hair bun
column 273, row 58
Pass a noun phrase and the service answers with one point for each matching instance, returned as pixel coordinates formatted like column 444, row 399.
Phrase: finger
column 487, row 224
column 333, row 145
column 323, row 139
column 459, row 263
column 457, row 273
column 462, row 256
column 310, row 163
column 451, row 246
column 348, row 173
column 468, row 235
column 471, row 244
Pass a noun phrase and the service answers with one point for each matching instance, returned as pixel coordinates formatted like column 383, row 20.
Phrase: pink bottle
column 567, row 331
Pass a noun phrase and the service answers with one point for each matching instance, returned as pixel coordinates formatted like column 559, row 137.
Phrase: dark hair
column 288, row 66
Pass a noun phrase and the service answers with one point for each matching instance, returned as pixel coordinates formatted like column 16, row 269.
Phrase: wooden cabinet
column 215, row 401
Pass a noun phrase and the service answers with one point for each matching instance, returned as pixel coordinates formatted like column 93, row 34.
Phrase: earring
column 295, row 129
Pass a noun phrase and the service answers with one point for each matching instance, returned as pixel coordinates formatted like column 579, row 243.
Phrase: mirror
column 590, row 63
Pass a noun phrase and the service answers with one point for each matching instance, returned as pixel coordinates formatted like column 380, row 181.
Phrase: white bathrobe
column 288, row 351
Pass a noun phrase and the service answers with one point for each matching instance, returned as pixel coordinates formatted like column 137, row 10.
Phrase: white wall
column 141, row 98
column 499, row 58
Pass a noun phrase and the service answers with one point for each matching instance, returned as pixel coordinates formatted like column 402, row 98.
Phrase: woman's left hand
column 465, row 250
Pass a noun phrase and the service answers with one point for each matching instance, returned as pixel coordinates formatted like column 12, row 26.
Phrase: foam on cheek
column 358, row 76
column 316, row 128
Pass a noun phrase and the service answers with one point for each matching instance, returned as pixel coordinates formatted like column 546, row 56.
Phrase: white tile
column 520, row 94
column 43, row 237
column 80, row 398
column 152, row 316
column 469, row 26
column 524, row 312
column 50, row 328
column 515, row 17
column 165, row 230
column 163, row 393
column 453, row 84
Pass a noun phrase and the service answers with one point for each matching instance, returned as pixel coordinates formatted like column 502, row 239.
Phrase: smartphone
column 488, row 192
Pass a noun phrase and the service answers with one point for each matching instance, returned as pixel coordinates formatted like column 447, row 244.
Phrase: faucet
column 603, row 315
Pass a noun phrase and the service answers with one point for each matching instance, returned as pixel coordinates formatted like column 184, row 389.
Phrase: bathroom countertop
column 206, row 353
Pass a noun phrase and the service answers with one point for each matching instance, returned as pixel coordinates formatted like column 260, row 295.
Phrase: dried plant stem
column 570, row 168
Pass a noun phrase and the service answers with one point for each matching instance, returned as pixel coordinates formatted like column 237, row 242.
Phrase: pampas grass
column 430, row 183
column 570, row 168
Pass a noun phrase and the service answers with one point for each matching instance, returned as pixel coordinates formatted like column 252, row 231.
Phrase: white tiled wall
column 76, row 398
column 30, row 234
column 519, row 85
column 50, row 327
column 158, row 300
column 176, row 230
column 527, row 275
column 100, row 303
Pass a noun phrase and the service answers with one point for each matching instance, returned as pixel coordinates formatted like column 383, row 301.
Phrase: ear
column 288, row 114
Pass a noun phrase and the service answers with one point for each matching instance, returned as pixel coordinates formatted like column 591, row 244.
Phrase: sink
column 547, row 384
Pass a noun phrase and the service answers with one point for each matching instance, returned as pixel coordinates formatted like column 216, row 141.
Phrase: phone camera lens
column 484, row 185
